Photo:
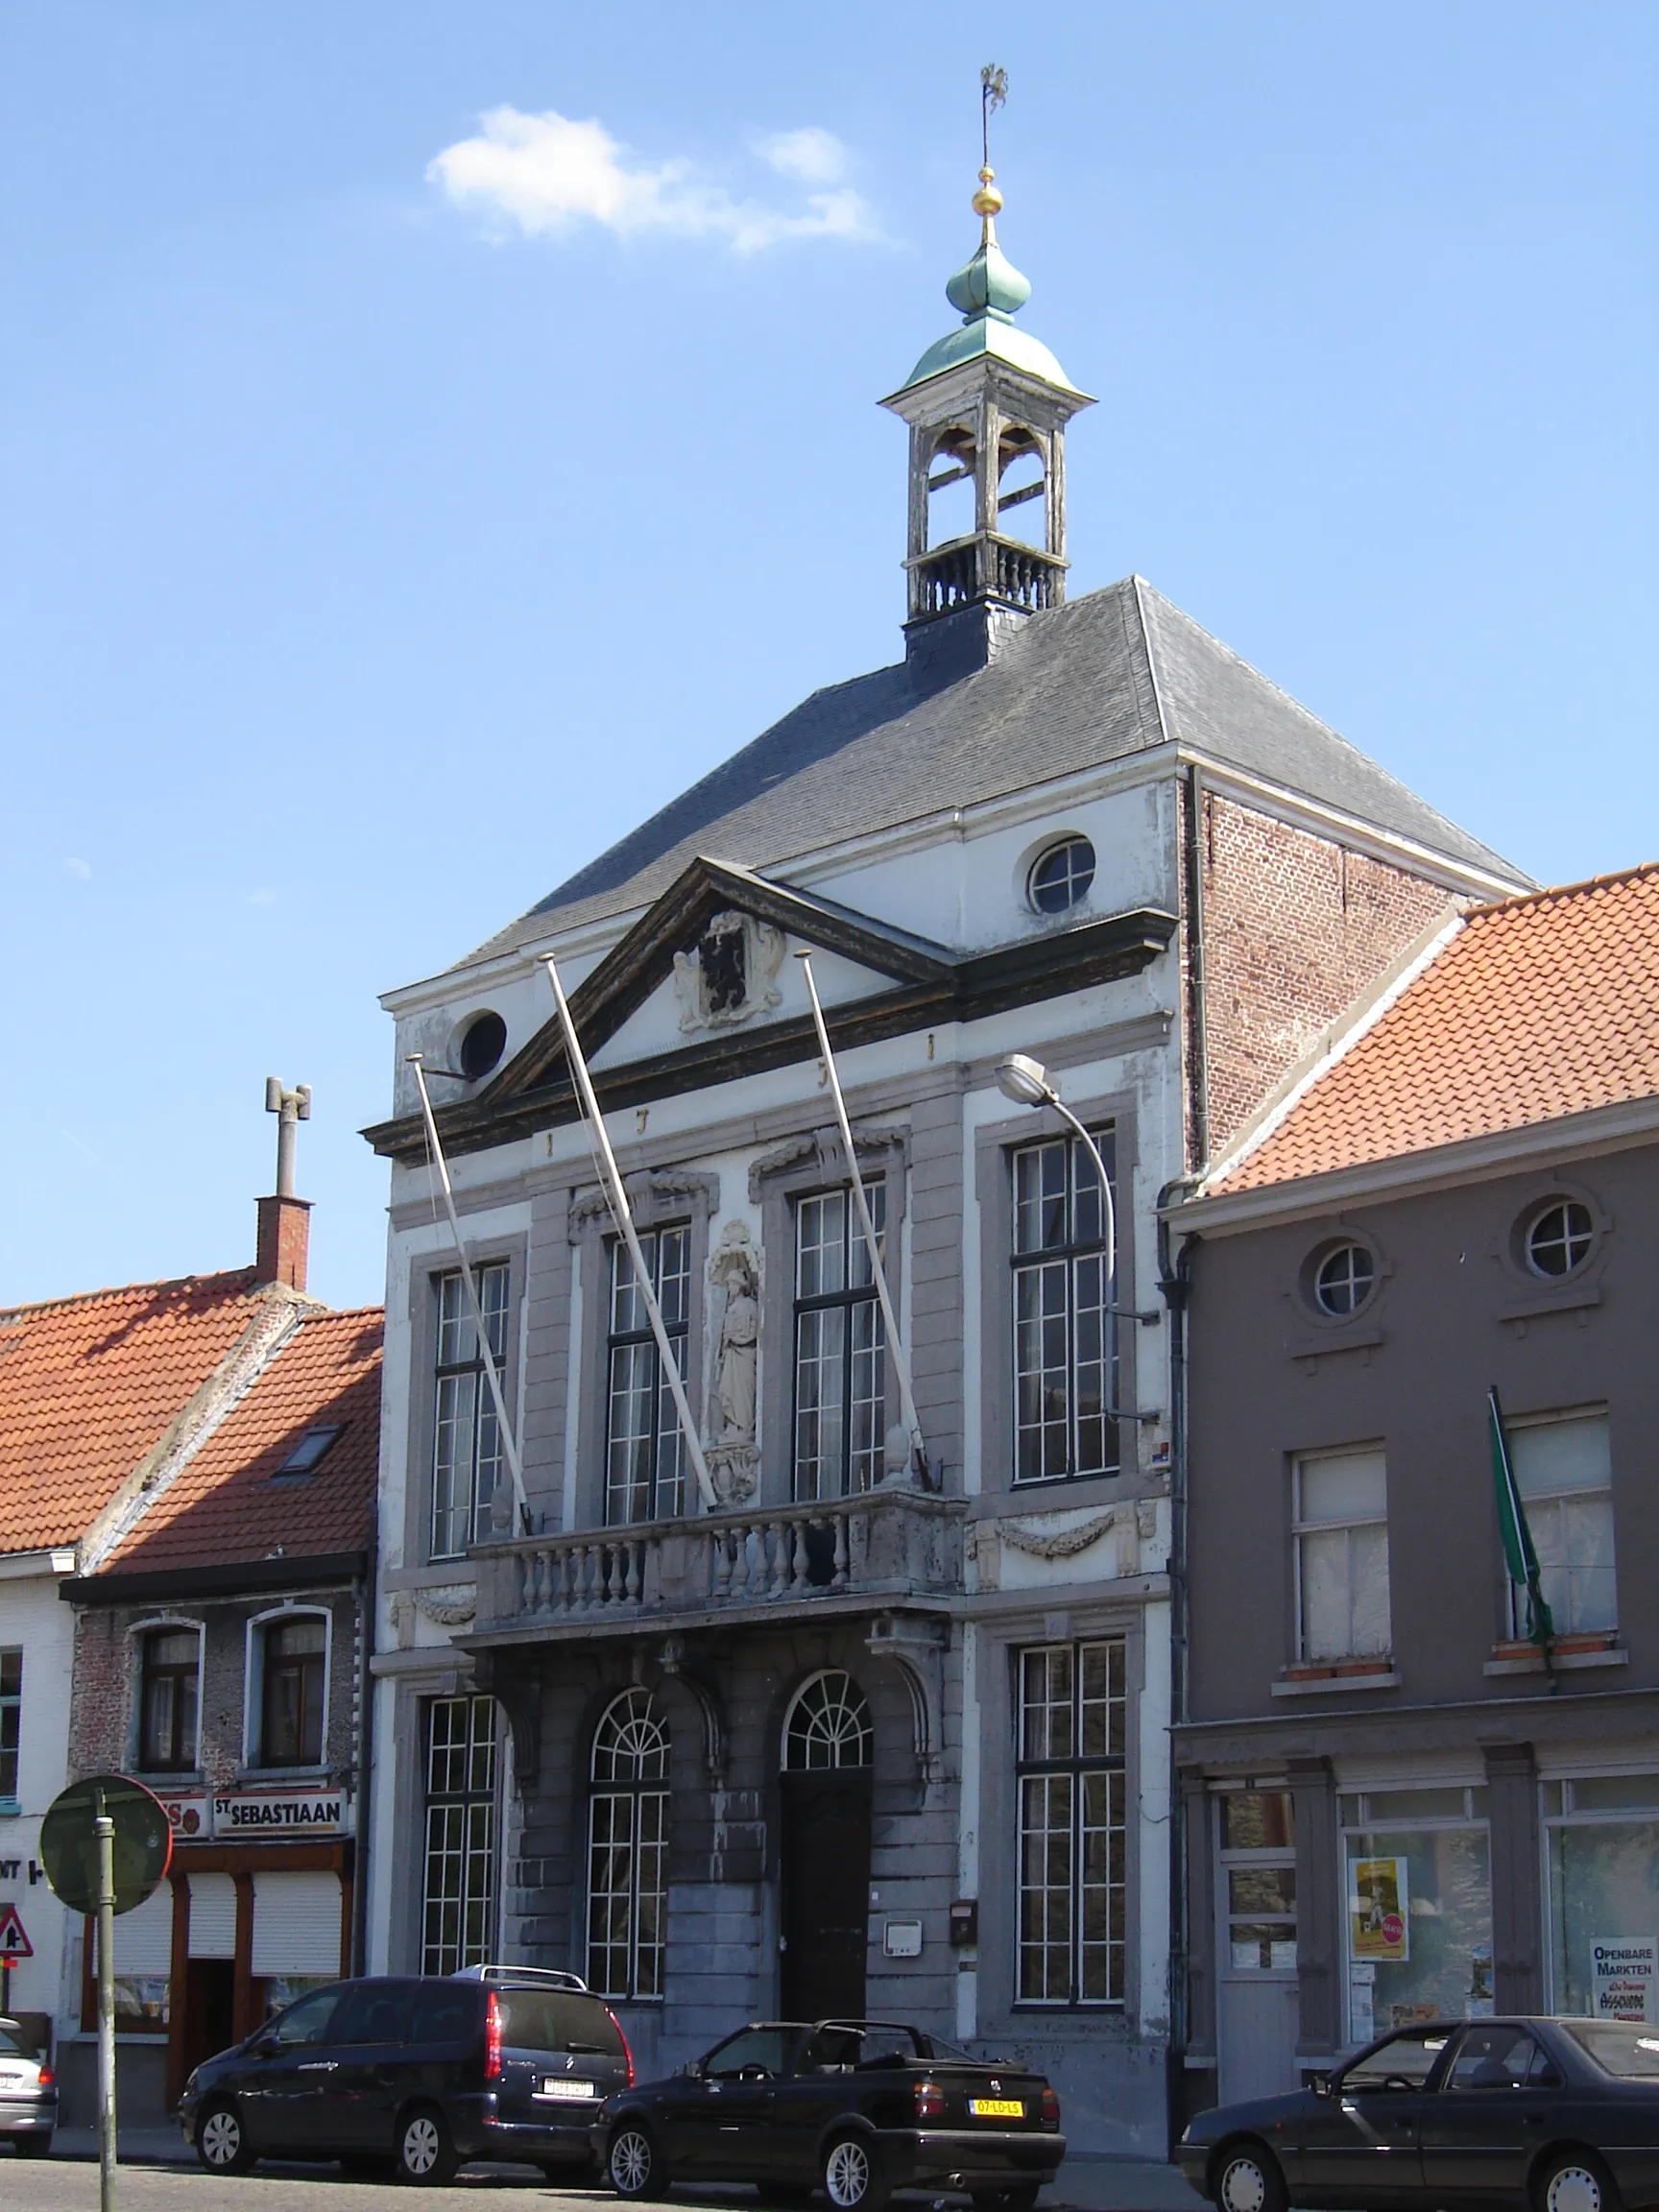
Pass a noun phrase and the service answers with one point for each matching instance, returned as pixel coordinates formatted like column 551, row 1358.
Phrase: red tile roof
column 1538, row 1007
column 224, row 1507
column 89, row 1385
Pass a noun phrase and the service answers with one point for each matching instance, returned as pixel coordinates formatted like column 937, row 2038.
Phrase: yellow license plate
column 996, row 2107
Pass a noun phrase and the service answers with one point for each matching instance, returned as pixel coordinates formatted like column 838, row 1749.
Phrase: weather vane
column 993, row 92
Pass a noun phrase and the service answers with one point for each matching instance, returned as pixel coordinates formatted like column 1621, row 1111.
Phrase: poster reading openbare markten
column 1622, row 1970
column 1378, row 1910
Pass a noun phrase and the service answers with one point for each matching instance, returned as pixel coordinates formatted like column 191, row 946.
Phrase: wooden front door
column 826, row 1866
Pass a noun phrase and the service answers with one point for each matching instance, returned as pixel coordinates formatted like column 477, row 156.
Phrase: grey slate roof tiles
column 1117, row 671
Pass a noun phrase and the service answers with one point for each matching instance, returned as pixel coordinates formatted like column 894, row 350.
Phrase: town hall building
column 865, row 1728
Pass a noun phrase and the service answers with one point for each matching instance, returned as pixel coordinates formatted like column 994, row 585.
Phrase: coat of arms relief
column 731, row 974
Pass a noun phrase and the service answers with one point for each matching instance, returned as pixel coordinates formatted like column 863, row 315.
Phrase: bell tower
column 988, row 403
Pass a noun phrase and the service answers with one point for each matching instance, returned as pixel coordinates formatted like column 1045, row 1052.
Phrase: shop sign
column 1622, row 1970
column 281, row 1813
column 1378, row 1910
column 189, row 1815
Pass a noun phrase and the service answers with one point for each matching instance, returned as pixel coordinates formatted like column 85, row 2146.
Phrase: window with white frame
column 1340, row 1528
column 293, row 1690
column 840, row 1347
column 459, row 1907
column 645, row 1449
column 10, row 1722
column 1073, row 1878
column 1564, row 1471
column 169, row 1675
column 466, row 1454
column 1065, row 1364
column 628, row 1849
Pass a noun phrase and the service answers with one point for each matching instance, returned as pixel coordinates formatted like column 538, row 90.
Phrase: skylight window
column 311, row 1450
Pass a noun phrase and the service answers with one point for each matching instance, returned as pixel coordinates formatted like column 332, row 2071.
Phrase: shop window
column 644, row 1451
column 840, row 1349
column 1340, row 1530
column 1073, row 1863
column 1564, row 1471
column 1065, row 1363
column 170, row 1670
column 1418, row 1917
column 628, row 1849
column 466, row 1453
column 1604, row 1853
column 294, row 1667
column 10, row 1725
column 459, row 1912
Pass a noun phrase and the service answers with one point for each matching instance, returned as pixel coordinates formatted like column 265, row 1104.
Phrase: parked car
column 856, row 2108
column 390, row 2075
column 27, row 2094
column 1555, row 2115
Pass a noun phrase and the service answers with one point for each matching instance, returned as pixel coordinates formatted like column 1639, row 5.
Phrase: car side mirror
column 1322, row 2085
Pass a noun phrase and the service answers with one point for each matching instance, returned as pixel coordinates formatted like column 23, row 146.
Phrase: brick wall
column 1295, row 926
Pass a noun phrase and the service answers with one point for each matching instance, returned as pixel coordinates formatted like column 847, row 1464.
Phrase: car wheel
column 222, row 2140
column 632, row 2164
column 1575, row 2181
column 425, row 2154
column 853, row 2177
column 1248, row 2179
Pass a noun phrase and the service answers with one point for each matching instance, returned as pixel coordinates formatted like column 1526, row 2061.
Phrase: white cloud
column 549, row 175
column 81, row 869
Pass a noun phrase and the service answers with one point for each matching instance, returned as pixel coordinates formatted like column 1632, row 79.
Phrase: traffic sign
column 14, row 1940
column 69, row 1841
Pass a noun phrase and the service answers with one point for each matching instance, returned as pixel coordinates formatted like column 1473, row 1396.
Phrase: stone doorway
column 825, row 1786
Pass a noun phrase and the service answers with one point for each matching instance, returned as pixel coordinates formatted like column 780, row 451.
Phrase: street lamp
column 1025, row 1081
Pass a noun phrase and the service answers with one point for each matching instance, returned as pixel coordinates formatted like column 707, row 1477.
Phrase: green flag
column 1519, row 1553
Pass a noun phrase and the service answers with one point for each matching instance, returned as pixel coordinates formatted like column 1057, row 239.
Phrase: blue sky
column 399, row 506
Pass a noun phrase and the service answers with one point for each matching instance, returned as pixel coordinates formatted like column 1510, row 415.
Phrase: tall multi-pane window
column 460, row 1895
column 294, row 1667
column 1072, row 1840
column 840, row 1348
column 467, row 1456
column 1340, row 1527
column 645, row 1449
column 1065, row 1366
column 169, row 1672
column 1564, row 1471
column 10, row 1722
column 628, row 1849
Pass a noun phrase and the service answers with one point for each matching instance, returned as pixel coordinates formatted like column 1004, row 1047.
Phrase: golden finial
column 993, row 92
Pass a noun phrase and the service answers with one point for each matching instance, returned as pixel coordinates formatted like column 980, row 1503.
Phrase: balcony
column 984, row 566
column 843, row 1555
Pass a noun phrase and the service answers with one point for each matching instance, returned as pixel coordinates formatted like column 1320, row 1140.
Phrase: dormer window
column 1061, row 875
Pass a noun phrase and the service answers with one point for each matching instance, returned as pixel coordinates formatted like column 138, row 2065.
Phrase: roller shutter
column 212, row 1916
column 144, row 1936
column 296, row 1924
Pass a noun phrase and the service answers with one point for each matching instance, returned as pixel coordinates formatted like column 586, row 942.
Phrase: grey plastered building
column 1400, row 1804
column 855, row 1733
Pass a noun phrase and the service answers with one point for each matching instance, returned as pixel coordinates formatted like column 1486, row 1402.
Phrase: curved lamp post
column 1025, row 1081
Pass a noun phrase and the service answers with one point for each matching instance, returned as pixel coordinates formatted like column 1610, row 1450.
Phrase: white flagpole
column 440, row 1167
column 617, row 1200
column 895, row 1347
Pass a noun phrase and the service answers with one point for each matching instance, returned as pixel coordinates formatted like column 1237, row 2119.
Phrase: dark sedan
column 1555, row 2115
column 855, row 2107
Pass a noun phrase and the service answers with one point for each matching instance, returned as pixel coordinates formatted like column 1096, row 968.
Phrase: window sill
column 11, row 1808
column 295, row 1774
column 1343, row 1675
column 1569, row 1651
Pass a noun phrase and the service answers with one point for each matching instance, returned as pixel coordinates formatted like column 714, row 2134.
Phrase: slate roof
column 224, row 1508
column 1538, row 1007
column 1116, row 672
column 88, row 1384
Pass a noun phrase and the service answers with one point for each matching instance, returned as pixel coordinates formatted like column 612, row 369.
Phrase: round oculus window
column 1061, row 875
column 482, row 1046
column 1559, row 1237
column 1343, row 1279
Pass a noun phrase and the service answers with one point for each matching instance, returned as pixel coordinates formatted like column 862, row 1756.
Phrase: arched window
column 828, row 1725
column 628, row 1849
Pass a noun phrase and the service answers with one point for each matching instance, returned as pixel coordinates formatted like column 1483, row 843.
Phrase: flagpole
column 622, row 1216
column 440, row 1167
column 889, row 1320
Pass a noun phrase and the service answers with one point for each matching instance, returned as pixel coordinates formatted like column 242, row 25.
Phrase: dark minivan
column 413, row 2077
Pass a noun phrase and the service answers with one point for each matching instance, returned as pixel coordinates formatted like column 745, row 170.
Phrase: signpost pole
column 105, row 1832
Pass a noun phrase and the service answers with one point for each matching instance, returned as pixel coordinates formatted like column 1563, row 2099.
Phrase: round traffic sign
column 143, row 1842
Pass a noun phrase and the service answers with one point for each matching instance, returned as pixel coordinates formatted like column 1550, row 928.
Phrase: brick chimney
column 284, row 1220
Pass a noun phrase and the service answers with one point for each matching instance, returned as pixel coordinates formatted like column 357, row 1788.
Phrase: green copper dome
column 988, row 293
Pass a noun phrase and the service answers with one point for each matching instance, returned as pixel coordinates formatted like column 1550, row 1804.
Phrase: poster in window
column 1621, row 1969
column 1378, row 1910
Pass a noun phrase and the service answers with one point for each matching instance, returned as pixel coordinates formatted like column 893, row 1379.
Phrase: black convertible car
column 856, row 2108
column 1555, row 2115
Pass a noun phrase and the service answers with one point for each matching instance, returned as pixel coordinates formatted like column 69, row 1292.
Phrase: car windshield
column 558, row 2020
column 1403, row 2062
column 13, row 2043
column 1631, row 2051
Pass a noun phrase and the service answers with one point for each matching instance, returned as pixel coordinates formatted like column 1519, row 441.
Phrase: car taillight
column 930, row 2101
column 626, row 2053
column 493, row 2038
column 47, row 2077
column 1051, row 2107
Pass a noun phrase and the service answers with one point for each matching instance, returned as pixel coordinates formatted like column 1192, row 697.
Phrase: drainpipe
column 364, row 1592
column 1174, row 1282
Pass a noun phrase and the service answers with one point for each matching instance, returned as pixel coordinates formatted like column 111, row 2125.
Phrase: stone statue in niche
column 731, row 974
column 734, row 1286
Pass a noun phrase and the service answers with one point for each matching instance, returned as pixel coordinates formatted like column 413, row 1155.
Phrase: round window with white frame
column 1558, row 1238
column 828, row 1725
column 1343, row 1279
column 1061, row 875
